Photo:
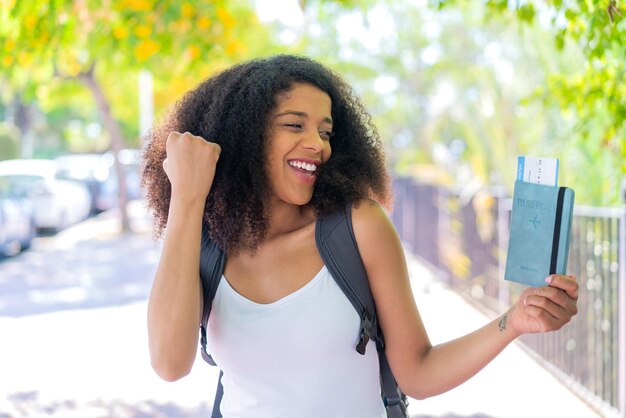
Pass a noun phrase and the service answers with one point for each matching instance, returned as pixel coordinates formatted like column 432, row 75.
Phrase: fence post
column 503, row 238
column 621, row 346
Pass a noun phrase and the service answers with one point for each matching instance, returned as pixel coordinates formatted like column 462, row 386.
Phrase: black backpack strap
column 338, row 248
column 212, row 261
column 216, row 413
column 396, row 402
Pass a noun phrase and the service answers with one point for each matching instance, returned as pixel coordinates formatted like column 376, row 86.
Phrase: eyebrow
column 327, row 119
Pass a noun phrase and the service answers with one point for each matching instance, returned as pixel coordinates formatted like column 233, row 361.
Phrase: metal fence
column 463, row 233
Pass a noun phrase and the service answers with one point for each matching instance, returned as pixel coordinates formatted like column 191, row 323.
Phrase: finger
column 554, row 294
column 566, row 283
column 165, row 164
column 173, row 134
column 189, row 136
column 556, row 300
column 547, row 322
column 554, row 309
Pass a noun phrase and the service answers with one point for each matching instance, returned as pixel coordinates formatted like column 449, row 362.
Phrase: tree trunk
column 23, row 118
column 117, row 143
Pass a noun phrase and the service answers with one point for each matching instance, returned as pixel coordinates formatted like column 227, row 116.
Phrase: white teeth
column 303, row 165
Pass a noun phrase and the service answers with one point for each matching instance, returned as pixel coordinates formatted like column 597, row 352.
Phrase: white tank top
column 294, row 358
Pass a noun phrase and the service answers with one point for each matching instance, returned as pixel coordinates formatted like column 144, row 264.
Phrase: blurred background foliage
column 457, row 88
column 52, row 50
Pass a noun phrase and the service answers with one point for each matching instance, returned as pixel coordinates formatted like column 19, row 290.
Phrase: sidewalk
column 513, row 385
column 93, row 363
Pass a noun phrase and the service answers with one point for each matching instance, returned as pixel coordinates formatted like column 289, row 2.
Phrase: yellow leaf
column 7, row 61
column 188, row 10
column 225, row 17
column 24, row 58
column 120, row 32
column 30, row 21
column 235, row 48
column 204, row 22
column 193, row 52
column 146, row 49
column 143, row 31
column 9, row 44
column 137, row 5
column 185, row 26
column 180, row 26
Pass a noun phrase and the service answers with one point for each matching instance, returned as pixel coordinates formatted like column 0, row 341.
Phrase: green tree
column 458, row 96
column 428, row 80
column 46, row 44
column 592, row 94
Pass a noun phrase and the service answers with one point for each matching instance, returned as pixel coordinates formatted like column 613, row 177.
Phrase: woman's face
column 299, row 142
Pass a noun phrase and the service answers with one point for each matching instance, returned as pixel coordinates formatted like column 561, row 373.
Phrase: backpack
column 337, row 246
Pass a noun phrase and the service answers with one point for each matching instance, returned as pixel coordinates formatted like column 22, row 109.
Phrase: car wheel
column 63, row 223
column 12, row 248
column 32, row 233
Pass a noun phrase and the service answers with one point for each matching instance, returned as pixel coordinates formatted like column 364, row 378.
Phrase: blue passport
column 541, row 222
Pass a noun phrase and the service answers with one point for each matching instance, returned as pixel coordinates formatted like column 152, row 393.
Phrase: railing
column 463, row 233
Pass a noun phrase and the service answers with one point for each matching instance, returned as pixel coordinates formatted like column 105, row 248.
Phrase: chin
column 301, row 201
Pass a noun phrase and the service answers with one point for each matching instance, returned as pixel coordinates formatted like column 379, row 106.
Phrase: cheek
column 272, row 166
column 327, row 152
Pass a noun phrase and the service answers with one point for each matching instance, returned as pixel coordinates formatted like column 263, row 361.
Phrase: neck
column 285, row 218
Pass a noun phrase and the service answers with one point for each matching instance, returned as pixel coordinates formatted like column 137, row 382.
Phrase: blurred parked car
column 130, row 159
column 57, row 203
column 97, row 172
column 17, row 227
column 94, row 171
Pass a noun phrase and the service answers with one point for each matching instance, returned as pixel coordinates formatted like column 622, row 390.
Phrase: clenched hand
column 190, row 165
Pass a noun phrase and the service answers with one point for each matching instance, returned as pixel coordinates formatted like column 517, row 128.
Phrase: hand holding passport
column 541, row 220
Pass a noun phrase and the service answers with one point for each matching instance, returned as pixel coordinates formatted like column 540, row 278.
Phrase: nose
column 313, row 141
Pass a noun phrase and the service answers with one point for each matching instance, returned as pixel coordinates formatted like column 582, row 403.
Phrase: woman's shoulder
column 370, row 220
column 368, row 210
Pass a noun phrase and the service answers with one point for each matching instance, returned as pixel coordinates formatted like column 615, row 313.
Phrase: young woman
column 256, row 154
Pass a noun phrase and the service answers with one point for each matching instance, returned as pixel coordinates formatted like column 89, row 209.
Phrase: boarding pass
column 539, row 170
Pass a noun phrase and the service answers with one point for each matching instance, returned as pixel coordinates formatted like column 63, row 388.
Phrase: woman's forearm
column 447, row 365
column 174, row 302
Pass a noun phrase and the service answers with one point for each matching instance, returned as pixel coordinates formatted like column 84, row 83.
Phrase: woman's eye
column 293, row 125
column 326, row 135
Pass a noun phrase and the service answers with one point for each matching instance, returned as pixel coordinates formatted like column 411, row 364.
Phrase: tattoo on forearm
column 502, row 323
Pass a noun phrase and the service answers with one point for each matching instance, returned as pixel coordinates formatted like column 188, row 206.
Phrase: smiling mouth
column 304, row 167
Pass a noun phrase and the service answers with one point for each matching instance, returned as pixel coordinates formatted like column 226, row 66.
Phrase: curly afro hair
column 233, row 109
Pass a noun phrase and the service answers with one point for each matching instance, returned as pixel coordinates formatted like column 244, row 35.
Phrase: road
column 72, row 331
